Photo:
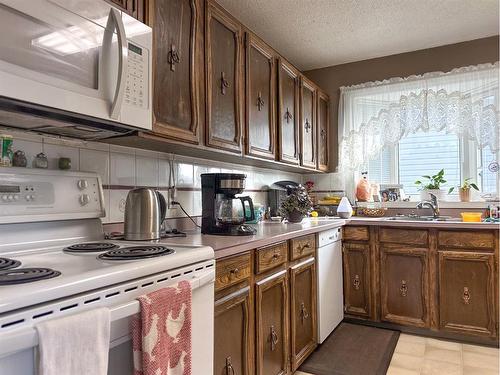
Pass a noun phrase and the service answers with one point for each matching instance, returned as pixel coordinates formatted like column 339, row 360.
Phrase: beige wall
column 442, row 58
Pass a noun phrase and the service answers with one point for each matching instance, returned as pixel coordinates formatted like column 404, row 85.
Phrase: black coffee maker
column 222, row 212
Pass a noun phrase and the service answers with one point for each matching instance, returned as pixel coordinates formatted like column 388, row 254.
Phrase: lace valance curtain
column 374, row 115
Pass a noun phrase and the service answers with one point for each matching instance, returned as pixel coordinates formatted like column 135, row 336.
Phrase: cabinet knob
column 260, row 101
column 275, row 257
column 303, row 312
column 466, row 295
column 307, row 126
column 173, row 57
column 229, row 367
column 404, row 288
column 356, row 282
column 234, row 272
column 288, row 115
column 274, row 339
column 224, row 84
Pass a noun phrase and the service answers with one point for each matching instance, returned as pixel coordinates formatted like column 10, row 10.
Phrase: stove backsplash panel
column 123, row 168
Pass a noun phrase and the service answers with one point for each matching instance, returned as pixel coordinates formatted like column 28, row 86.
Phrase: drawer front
column 466, row 239
column 356, row 233
column 302, row 246
column 271, row 256
column 232, row 270
column 404, row 236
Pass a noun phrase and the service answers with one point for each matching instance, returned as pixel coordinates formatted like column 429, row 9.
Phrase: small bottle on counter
column 6, row 150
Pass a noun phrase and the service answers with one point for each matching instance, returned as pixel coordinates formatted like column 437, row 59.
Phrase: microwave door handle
column 115, row 21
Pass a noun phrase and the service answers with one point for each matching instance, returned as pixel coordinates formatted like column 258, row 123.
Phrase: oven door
column 18, row 351
column 82, row 56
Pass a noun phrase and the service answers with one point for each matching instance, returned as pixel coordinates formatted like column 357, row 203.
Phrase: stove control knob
column 10, row 198
column 16, row 197
column 4, row 198
column 84, row 199
column 82, row 184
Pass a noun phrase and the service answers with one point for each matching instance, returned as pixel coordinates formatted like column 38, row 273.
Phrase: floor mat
column 353, row 349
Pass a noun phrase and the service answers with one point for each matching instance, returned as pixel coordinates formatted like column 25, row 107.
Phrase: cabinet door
column 135, row 8
column 223, row 80
column 308, row 123
column 303, row 314
column 466, row 292
column 175, row 68
column 323, row 131
column 272, row 325
column 357, row 285
column 260, row 99
column 288, row 113
column 404, row 290
column 232, row 334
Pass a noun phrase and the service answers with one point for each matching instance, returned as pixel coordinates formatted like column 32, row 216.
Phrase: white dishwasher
column 330, row 282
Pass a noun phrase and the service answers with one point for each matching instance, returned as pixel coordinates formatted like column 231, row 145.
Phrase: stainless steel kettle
column 145, row 210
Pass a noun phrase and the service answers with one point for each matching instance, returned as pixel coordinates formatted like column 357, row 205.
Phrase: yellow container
column 471, row 216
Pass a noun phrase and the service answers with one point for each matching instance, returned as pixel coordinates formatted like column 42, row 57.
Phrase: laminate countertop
column 273, row 232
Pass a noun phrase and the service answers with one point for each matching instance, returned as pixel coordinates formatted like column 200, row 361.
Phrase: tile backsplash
column 123, row 168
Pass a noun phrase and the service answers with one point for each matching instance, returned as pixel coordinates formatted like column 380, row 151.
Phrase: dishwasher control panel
column 328, row 236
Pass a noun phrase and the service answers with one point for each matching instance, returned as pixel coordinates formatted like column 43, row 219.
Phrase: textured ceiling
column 319, row 33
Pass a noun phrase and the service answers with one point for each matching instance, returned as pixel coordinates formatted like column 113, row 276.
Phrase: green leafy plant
column 466, row 185
column 433, row 182
column 297, row 201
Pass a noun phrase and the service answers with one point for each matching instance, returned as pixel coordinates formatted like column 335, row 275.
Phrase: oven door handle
column 115, row 22
column 25, row 338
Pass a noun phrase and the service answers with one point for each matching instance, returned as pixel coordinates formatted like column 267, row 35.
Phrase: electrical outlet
column 172, row 196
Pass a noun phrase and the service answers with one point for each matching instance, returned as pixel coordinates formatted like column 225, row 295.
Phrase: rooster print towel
column 161, row 336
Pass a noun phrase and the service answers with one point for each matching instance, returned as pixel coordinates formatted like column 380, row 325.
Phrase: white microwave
column 86, row 60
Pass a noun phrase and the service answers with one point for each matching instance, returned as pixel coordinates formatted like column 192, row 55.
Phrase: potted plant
column 432, row 185
column 296, row 205
column 464, row 189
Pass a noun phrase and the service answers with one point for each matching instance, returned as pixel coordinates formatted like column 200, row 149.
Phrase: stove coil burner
column 7, row 264
column 136, row 253
column 26, row 275
column 90, row 247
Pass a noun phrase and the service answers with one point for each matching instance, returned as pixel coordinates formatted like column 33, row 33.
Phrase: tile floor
column 417, row 355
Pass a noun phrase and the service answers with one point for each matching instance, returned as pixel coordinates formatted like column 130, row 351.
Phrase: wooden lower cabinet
column 271, row 303
column 357, row 284
column 303, row 305
column 404, row 286
column 467, row 292
column 232, row 332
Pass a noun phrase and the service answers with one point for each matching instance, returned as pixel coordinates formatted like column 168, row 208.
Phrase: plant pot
column 464, row 195
column 294, row 217
column 424, row 194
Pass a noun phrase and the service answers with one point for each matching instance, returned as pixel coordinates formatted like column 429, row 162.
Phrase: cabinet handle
column 234, row 272
column 275, row 257
column 323, row 133
column 274, row 339
column 224, row 84
column 303, row 312
column 466, row 295
column 229, row 367
column 306, row 246
column 355, row 283
column 404, row 288
column 173, row 57
column 307, row 126
column 288, row 116
column 260, row 101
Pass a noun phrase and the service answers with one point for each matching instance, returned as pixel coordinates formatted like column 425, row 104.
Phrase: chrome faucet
column 432, row 204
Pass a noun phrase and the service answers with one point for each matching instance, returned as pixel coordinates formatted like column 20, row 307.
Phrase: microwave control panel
column 136, row 91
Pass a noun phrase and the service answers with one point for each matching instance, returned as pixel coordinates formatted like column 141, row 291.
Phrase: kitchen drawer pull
column 404, row 288
column 356, row 282
column 306, row 246
column 466, row 295
column 234, row 272
column 229, row 367
column 260, row 101
column 288, row 116
column 275, row 257
column 173, row 57
column 303, row 312
column 224, row 84
column 274, row 339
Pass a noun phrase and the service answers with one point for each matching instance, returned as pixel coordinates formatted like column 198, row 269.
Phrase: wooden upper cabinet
column 357, row 285
column 308, row 123
column 136, row 8
column 272, row 324
column 303, row 315
column 467, row 293
column 404, row 286
column 176, row 64
column 323, row 131
column 260, row 129
column 288, row 113
column 223, row 79
column 232, row 341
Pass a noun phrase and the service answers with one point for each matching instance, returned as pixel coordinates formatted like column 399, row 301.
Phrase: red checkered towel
column 161, row 336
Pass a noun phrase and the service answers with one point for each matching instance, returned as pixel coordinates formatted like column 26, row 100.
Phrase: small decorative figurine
column 19, row 159
column 40, row 161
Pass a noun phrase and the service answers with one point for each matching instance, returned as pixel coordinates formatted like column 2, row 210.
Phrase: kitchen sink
column 424, row 218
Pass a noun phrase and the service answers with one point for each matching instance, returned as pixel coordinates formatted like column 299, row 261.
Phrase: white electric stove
column 55, row 261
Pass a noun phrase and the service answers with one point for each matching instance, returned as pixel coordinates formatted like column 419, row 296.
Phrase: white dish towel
column 77, row 344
